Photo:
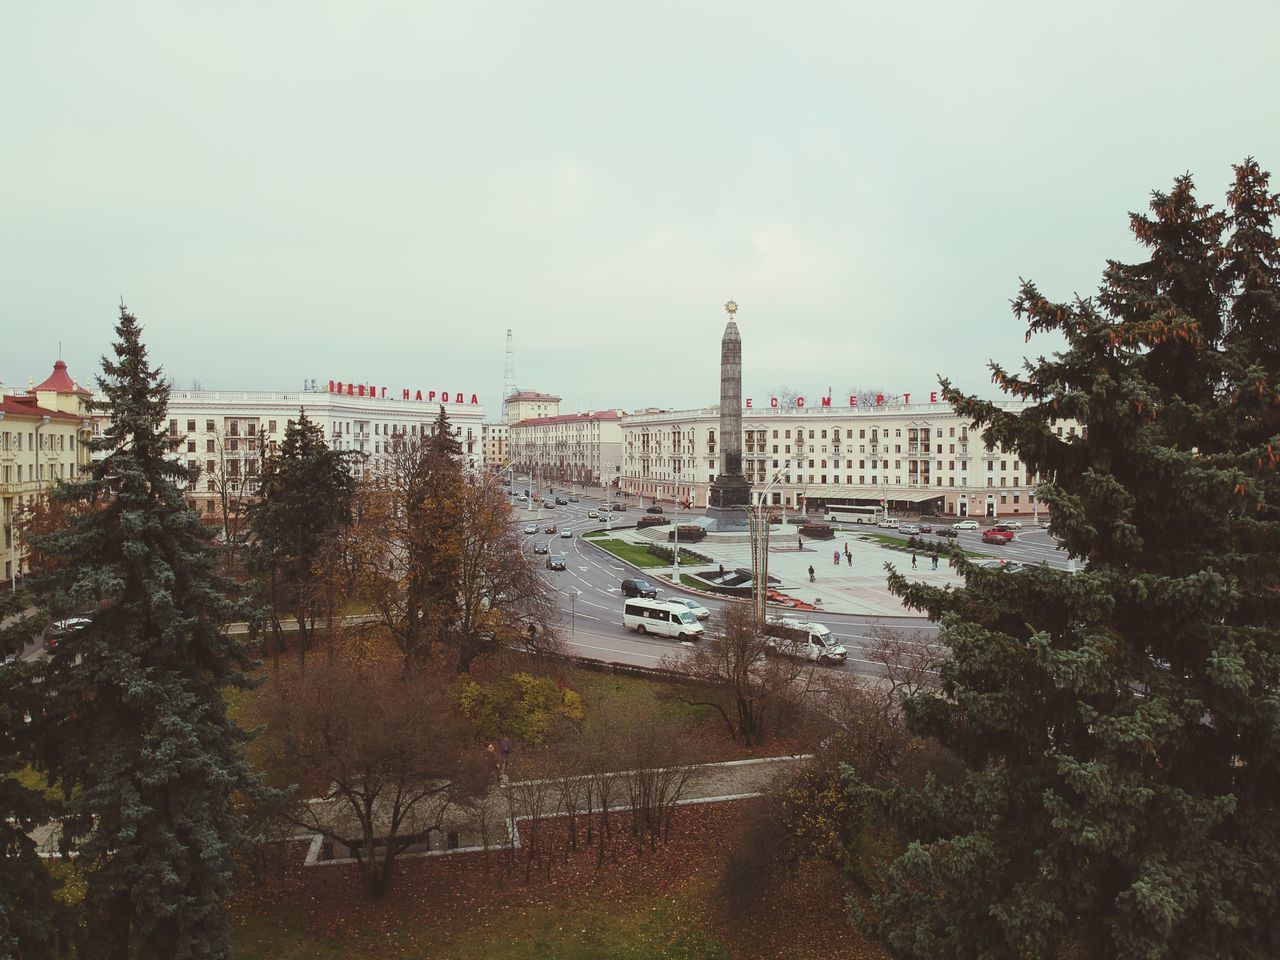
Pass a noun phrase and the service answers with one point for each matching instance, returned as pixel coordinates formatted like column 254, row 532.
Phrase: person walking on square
column 849, row 557
column 913, row 559
column 935, row 561
column 836, row 556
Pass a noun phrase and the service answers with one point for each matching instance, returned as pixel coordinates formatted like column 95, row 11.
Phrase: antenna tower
column 508, row 375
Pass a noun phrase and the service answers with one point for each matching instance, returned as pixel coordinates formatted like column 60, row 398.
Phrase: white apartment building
column 224, row 433
column 915, row 457
column 530, row 405
column 43, row 439
column 570, row 448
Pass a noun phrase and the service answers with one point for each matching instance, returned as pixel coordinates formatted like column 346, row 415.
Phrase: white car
column 888, row 524
column 965, row 525
column 693, row 606
column 593, row 514
column 530, row 528
column 566, row 534
column 1012, row 524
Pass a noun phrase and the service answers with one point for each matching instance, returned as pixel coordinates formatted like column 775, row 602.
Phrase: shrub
column 518, row 705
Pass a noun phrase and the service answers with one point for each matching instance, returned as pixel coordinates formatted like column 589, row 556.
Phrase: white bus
column 661, row 618
column 844, row 513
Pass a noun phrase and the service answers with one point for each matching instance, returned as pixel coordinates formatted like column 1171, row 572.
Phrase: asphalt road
column 590, row 595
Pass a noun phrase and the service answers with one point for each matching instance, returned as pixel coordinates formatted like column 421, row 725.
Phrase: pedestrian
column 935, row 560
column 913, row 559
column 492, row 754
column 800, row 541
column 849, row 557
column 722, row 569
column 836, row 556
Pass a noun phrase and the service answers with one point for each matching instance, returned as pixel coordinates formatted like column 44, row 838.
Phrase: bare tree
column 909, row 660
column 231, row 472
column 374, row 758
column 735, row 662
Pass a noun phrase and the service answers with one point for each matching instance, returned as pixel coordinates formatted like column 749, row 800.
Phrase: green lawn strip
column 639, row 556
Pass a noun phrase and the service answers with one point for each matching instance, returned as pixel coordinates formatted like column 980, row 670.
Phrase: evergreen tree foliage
column 135, row 730
column 304, row 498
column 1120, row 726
column 30, row 918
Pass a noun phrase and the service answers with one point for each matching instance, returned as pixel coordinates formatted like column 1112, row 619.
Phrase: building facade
column 44, row 433
column 915, row 457
column 530, row 405
column 571, row 448
column 223, row 435
column 494, row 441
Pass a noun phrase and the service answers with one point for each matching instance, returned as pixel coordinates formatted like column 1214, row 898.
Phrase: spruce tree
column 304, row 497
column 31, row 920
column 1120, row 726
column 135, row 729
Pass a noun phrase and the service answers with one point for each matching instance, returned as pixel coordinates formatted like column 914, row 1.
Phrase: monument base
column 728, row 501
column 727, row 520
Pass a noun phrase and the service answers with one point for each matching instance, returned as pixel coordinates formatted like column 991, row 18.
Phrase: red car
column 1000, row 537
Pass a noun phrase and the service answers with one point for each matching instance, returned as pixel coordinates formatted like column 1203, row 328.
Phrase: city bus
column 848, row 513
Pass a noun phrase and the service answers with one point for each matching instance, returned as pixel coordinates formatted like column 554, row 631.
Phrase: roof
column 571, row 418
column 520, row 395
column 60, row 381
column 24, row 405
column 888, row 491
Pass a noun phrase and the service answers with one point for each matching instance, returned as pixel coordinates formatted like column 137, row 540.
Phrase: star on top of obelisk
column 731, row 308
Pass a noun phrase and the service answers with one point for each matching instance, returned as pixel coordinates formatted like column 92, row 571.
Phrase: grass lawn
column 631, row 553
column 640, row 556
column 663, row 904
column 656, row 928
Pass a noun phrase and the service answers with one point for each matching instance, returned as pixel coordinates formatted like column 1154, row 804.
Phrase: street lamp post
column 758, row 520
column 574, row 593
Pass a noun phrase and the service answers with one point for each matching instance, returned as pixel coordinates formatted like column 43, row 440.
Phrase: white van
column 662, row 618
column 811, row 641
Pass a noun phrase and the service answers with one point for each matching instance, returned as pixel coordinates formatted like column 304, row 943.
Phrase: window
column 208, row 426
column 271, row 426
column 191, row 426
column 210, row 466
column 191, row 446
column 209, row 446
column 235, row 445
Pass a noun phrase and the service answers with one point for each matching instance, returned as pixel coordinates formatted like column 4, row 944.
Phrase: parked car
column 654, row 509
column 530, row 528
column 999, row 537
column 947, row 532
column 639, row 588
column 693, row 606
column 555, row 561
column 540, row 547
column 910, row 528
column 593, row 514
column 1006, row 566
column 888, row 524
column 61, row 629
column 965, row 525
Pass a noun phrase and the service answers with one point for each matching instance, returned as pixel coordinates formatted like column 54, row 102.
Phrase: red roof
column 24, row 405
column 532, row 395
column 60, row 381
column 572, row 418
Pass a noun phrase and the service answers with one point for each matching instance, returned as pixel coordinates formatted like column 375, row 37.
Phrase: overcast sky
column 376, row 191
